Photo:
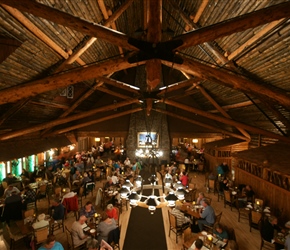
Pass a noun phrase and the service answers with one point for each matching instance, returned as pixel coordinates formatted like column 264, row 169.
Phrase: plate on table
column 234, row 193
column 92, row 231
column 204, row 233
column 247, row 208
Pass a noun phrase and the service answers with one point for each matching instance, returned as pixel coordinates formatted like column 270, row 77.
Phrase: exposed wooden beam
column 213, row 128
column 234, row 106
column 226, row 120
column 63, row 120
column 72, row 137
column 179, row 85
column 109, row 117
column 61, row 80
column 38, row 33
column 118, row 84
column 231, row 80
column 49, row 104
column 200, row 11
column 255, row 38
column 113, row 93
column 234, row 25
column 68, row 20
column 154, row 32
column 110, row 20
column 12, row 111
column 220, row 109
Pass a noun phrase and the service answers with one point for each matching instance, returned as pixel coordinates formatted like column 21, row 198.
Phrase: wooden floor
column 245, row 239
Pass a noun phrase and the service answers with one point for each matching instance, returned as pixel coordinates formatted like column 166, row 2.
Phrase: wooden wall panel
column 277, row 198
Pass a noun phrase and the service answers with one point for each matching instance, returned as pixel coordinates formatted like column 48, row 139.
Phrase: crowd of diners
column 82, row 168
column 244, row 197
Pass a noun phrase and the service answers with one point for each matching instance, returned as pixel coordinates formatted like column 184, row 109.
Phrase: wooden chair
column 228, row 199
column 14, row 236
column 98, row 176
column 57, row 191
column 242, row 212
column 187, row 234
column 211, row 186
column 80, row 196
column 41, row 192
column 220, row 193
column 209, row 229
column 4, row 185
column 231, row 233
column 190, row 196
column 173, row 226
column 40, row 235
column 254, row 218
column 208, row 199
column 70, row 241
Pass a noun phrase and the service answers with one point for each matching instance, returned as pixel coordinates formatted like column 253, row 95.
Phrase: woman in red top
column 183, row 178
column 112, row 212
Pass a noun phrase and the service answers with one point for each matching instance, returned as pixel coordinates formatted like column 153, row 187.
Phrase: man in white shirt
column 8, row 191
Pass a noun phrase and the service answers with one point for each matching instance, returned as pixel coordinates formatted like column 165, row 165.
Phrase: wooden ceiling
column 212, row 67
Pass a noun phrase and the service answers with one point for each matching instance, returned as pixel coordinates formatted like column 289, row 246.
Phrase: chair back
column 90, row 186
column 28, row 213
column 192, row 186
column 172, row 220
column 187, row 234
column 231, row 232
column 118, row 213
column 69, row 238
column 255, row 217
column 208, row 199
column 4, row 184
column 114, row 236
column 218, row 217
column 211, row 184
column 40, row 235
column 227, row 195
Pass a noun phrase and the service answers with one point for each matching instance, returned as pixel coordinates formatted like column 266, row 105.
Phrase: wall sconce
column 194, row 140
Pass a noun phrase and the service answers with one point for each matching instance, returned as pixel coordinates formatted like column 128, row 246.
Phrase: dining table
column 192, row 210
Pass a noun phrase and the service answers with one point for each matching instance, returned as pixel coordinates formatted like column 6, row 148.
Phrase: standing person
column 207, row 215
column 51, row 244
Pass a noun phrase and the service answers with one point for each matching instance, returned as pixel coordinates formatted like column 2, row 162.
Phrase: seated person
column 29, row 196
column 115, row 178
column 112, row 212
column 51, row 244
column 207, row 216
column 268, row 230
column 24, row 174
column 85, row 179
column 41, row 222
column 98, row 161
column 106, row 225
column 220, row 233
column 58, row 210
column 181, row 219
column 224, row 185
column 91, row 175
column 199, row 198
column 247, row 196
column 88, row 210
column 109, row 183
column 78, row 235
column 10, row 179
column 8, row 191
column 183, row 178
column 76, row 178
column 198, row 244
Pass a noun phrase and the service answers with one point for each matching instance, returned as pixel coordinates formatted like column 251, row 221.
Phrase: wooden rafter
column 178, row 85
column 63, row 120
column 226, row 120
column 75, row 23
column 109, row 117
column 223, row 131
column 61, row 80
column 118, row 84
column 231, row 80
column 234, row 25
column 234, row 106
